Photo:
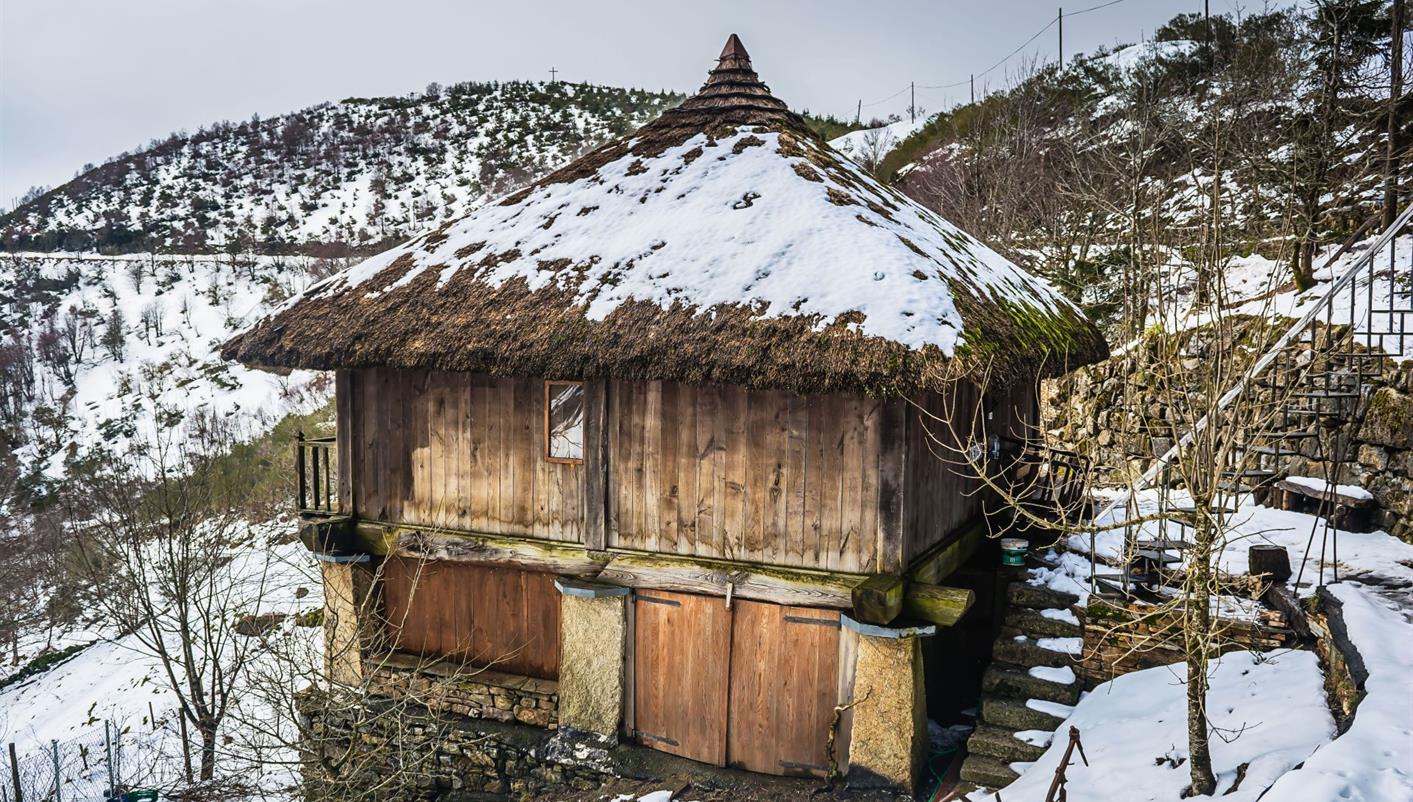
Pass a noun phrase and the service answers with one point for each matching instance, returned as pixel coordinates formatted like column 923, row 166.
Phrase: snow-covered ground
column 1134, row 732
column 115, row 679
column 1269, row 709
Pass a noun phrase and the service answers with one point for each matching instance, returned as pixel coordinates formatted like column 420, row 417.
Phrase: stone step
column 1018, row 683
column 1015, row 715
column 1021, row 594
column 1026, row 653
column 1002, row 744
column 1031, row 621
column 987, row 772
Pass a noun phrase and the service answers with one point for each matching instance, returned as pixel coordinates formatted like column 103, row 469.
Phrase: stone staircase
column 1029, row 688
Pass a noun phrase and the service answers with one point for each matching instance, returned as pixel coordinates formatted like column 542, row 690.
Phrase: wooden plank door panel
column 680, row 667
column 784, row 686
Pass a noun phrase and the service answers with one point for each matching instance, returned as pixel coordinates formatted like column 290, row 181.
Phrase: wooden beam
column 746, row 581
column 948, row 556
column 892, row 453
column 594, row 473
column 940, row 605
column 344, row 437
column 534, row 555
column 879, row 599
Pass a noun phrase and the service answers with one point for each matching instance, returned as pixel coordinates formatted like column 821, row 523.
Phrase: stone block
column 888, row 739
column 593, row 632
column 350, row 629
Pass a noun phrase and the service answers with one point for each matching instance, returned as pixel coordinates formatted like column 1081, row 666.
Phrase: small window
column 564, row 421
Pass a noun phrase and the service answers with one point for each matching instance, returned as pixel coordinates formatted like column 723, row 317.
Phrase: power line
column 1052, row 23
column 971, row 79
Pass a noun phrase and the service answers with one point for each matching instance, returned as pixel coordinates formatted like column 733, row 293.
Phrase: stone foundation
column 367, row 749
column 464, row 691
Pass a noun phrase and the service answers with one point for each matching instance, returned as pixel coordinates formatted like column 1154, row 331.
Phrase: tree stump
column 1273, row 562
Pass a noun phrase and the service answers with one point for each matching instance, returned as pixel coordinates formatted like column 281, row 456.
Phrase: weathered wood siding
column 460, row 451
column 769, row 477
column 834, row 482
column 941, row 494
column 486, row 616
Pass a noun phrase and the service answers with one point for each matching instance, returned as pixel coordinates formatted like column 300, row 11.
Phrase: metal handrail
column 1269, row 358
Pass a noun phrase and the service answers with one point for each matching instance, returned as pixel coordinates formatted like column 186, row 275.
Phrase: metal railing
column 316, row 471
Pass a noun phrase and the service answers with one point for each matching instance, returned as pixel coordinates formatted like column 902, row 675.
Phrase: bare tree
column 161, row 525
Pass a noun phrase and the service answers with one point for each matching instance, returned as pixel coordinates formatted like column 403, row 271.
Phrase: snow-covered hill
column 94, row 344
column 346, row 174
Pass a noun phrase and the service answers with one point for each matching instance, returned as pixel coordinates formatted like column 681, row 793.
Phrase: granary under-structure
column 661, row 441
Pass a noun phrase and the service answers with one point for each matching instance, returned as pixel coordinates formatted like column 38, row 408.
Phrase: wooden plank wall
column 939, row 494
column 768, row 477
column 460, row 451
column 487, row 616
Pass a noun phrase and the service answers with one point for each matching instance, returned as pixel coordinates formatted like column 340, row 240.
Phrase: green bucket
column 1013, row 550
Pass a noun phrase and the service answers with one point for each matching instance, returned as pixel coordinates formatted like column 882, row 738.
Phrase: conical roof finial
column 734, row 49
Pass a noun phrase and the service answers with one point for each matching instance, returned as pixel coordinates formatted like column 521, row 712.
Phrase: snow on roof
column 726, row 216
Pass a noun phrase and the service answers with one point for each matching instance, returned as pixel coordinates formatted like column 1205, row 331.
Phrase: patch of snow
column 656, row 796
column 1061, row 674
column 1066, row 645
column 1312, row 483
column 1063, row 577
column 1270, row 709
column 1373, row 760
column 1053, row 708
column 872, row 144
column 1035, row 737
column 1058, row 614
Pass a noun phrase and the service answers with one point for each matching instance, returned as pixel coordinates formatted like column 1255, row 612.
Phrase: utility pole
column 1207, row 17
column 553, row 73
column 1395, row 95
column 973, row 88
column 858, row 113
column 1061, row 19
column 912, row 102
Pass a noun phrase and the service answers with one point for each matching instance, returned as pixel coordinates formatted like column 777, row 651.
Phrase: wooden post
column 314, row 459
column 54, row 751
column 15, row 774
column 108, row 749
column 879, row 599
column 892, row 454
column 299, row 468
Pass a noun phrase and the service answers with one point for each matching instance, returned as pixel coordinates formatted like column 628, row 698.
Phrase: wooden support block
column 879, row 599
column 1271, row 562
column 939, row 605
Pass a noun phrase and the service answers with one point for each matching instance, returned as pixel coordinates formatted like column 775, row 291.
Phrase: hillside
column 332, row 177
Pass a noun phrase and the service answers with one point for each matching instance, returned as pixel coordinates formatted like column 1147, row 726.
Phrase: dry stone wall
column 1117, row 412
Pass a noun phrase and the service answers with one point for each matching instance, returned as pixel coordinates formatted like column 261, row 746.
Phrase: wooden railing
column 317, row 473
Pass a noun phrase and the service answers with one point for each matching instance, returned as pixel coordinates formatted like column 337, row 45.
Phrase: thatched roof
column 724, row 242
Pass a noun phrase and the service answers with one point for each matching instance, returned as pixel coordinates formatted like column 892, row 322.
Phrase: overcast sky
column 81, row 80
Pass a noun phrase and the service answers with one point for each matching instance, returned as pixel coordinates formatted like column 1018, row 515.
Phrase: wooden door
column 784, row 687
column 680, row 667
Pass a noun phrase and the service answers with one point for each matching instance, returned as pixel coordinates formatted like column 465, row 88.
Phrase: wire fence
column 108, row 762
